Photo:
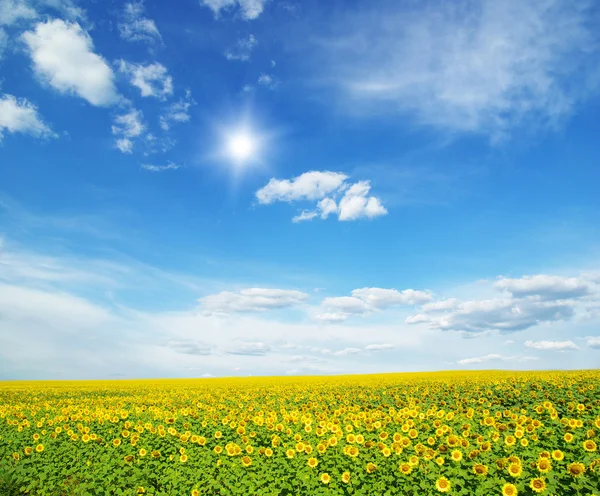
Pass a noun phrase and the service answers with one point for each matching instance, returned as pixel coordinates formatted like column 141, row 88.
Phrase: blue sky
column 249, row 187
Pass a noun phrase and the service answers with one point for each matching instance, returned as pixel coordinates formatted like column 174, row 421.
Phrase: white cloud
column 313, row 185
column 268, row 81
column 594, row 342
column 249, row 9
column 545, row 287
column 160, row 168
column 383, row 298
column 136, row 27
column 367, row 300
column 304, row 215
column 496, row 314
column 19, row 115
column 190, row 347
column 250, row 349
column 242, row 49
column 551, row 345
column 355, row 204
column 127, row 127
column 252, row 300
column 11, row 11
column 379, row 347
column 152, row 79
column 63, row 57
column 495, row 357
column 3, row 42
column 533, row 300
column 177, row 112
column 484, row 69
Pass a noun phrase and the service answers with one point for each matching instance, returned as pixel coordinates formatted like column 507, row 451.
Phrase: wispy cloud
column 136, row 27
column 248, row 9
column 483, row 69
column 495, row 357
column 177, row 112
column 160, row 168
column 127, row 127
column 152, row 79
column 551, row 345
column 19, row 115
column 242, row 50
column 252, row 300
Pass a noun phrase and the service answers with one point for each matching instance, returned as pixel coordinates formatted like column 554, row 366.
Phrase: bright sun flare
column 241, row 146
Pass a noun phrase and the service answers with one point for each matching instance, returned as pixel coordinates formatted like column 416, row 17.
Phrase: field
column 455, row 433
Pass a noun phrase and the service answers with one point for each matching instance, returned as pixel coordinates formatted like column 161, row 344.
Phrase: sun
column 241, row 146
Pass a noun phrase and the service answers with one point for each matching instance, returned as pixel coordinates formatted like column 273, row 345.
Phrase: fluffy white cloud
column 127, row 127
column 594, row 342
column 545, row 287
column 252, row 300
column 496, row 314
column 18, row 115
column 534, row 300
column 242, row 49
column 249, row 9
column 483, row 69
column 313, row 185
column 551, row 345
column 494, row 357
column 355, row 203
column 152, row 79
column 322, row 185
column 383, row 298
column 367, row 300
column 63, row 57
column 136, row 27
column 177, row 112
column 160, row 168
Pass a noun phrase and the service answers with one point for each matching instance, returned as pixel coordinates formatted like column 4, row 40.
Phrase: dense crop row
column 486, row 434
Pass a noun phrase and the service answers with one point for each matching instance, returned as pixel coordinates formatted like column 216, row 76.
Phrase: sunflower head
column 480, row 469
column 325, row 478
column 346, row 477
column 576, row 469
column 509, row 490
column 442, row 485
column 538, row 485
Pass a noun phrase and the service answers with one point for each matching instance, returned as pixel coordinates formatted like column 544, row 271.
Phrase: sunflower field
column 456, row 433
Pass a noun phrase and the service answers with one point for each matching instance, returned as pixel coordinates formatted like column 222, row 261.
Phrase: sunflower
column 405, row 468
column 195, row 492
column 590, row 446
column 510, row 440
column 442, row 485
column 290, row 453
column 28, row 450
column 509, row 490
column 538, row 485
column 39, row 448
column 576, row 469
column 312, row 462
column 143, row 452
column 558, row 455
column 346, row 477
column 155, row 454
column 268, row 452
column 371, row 467
column 456, row 455
column 568, row 437
column 183, row 458
column 480, row 469
column 515, row 470
column 246, row 461
column 128, row 458
column 544, row 465
column 325, row 478
column 116, row 442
